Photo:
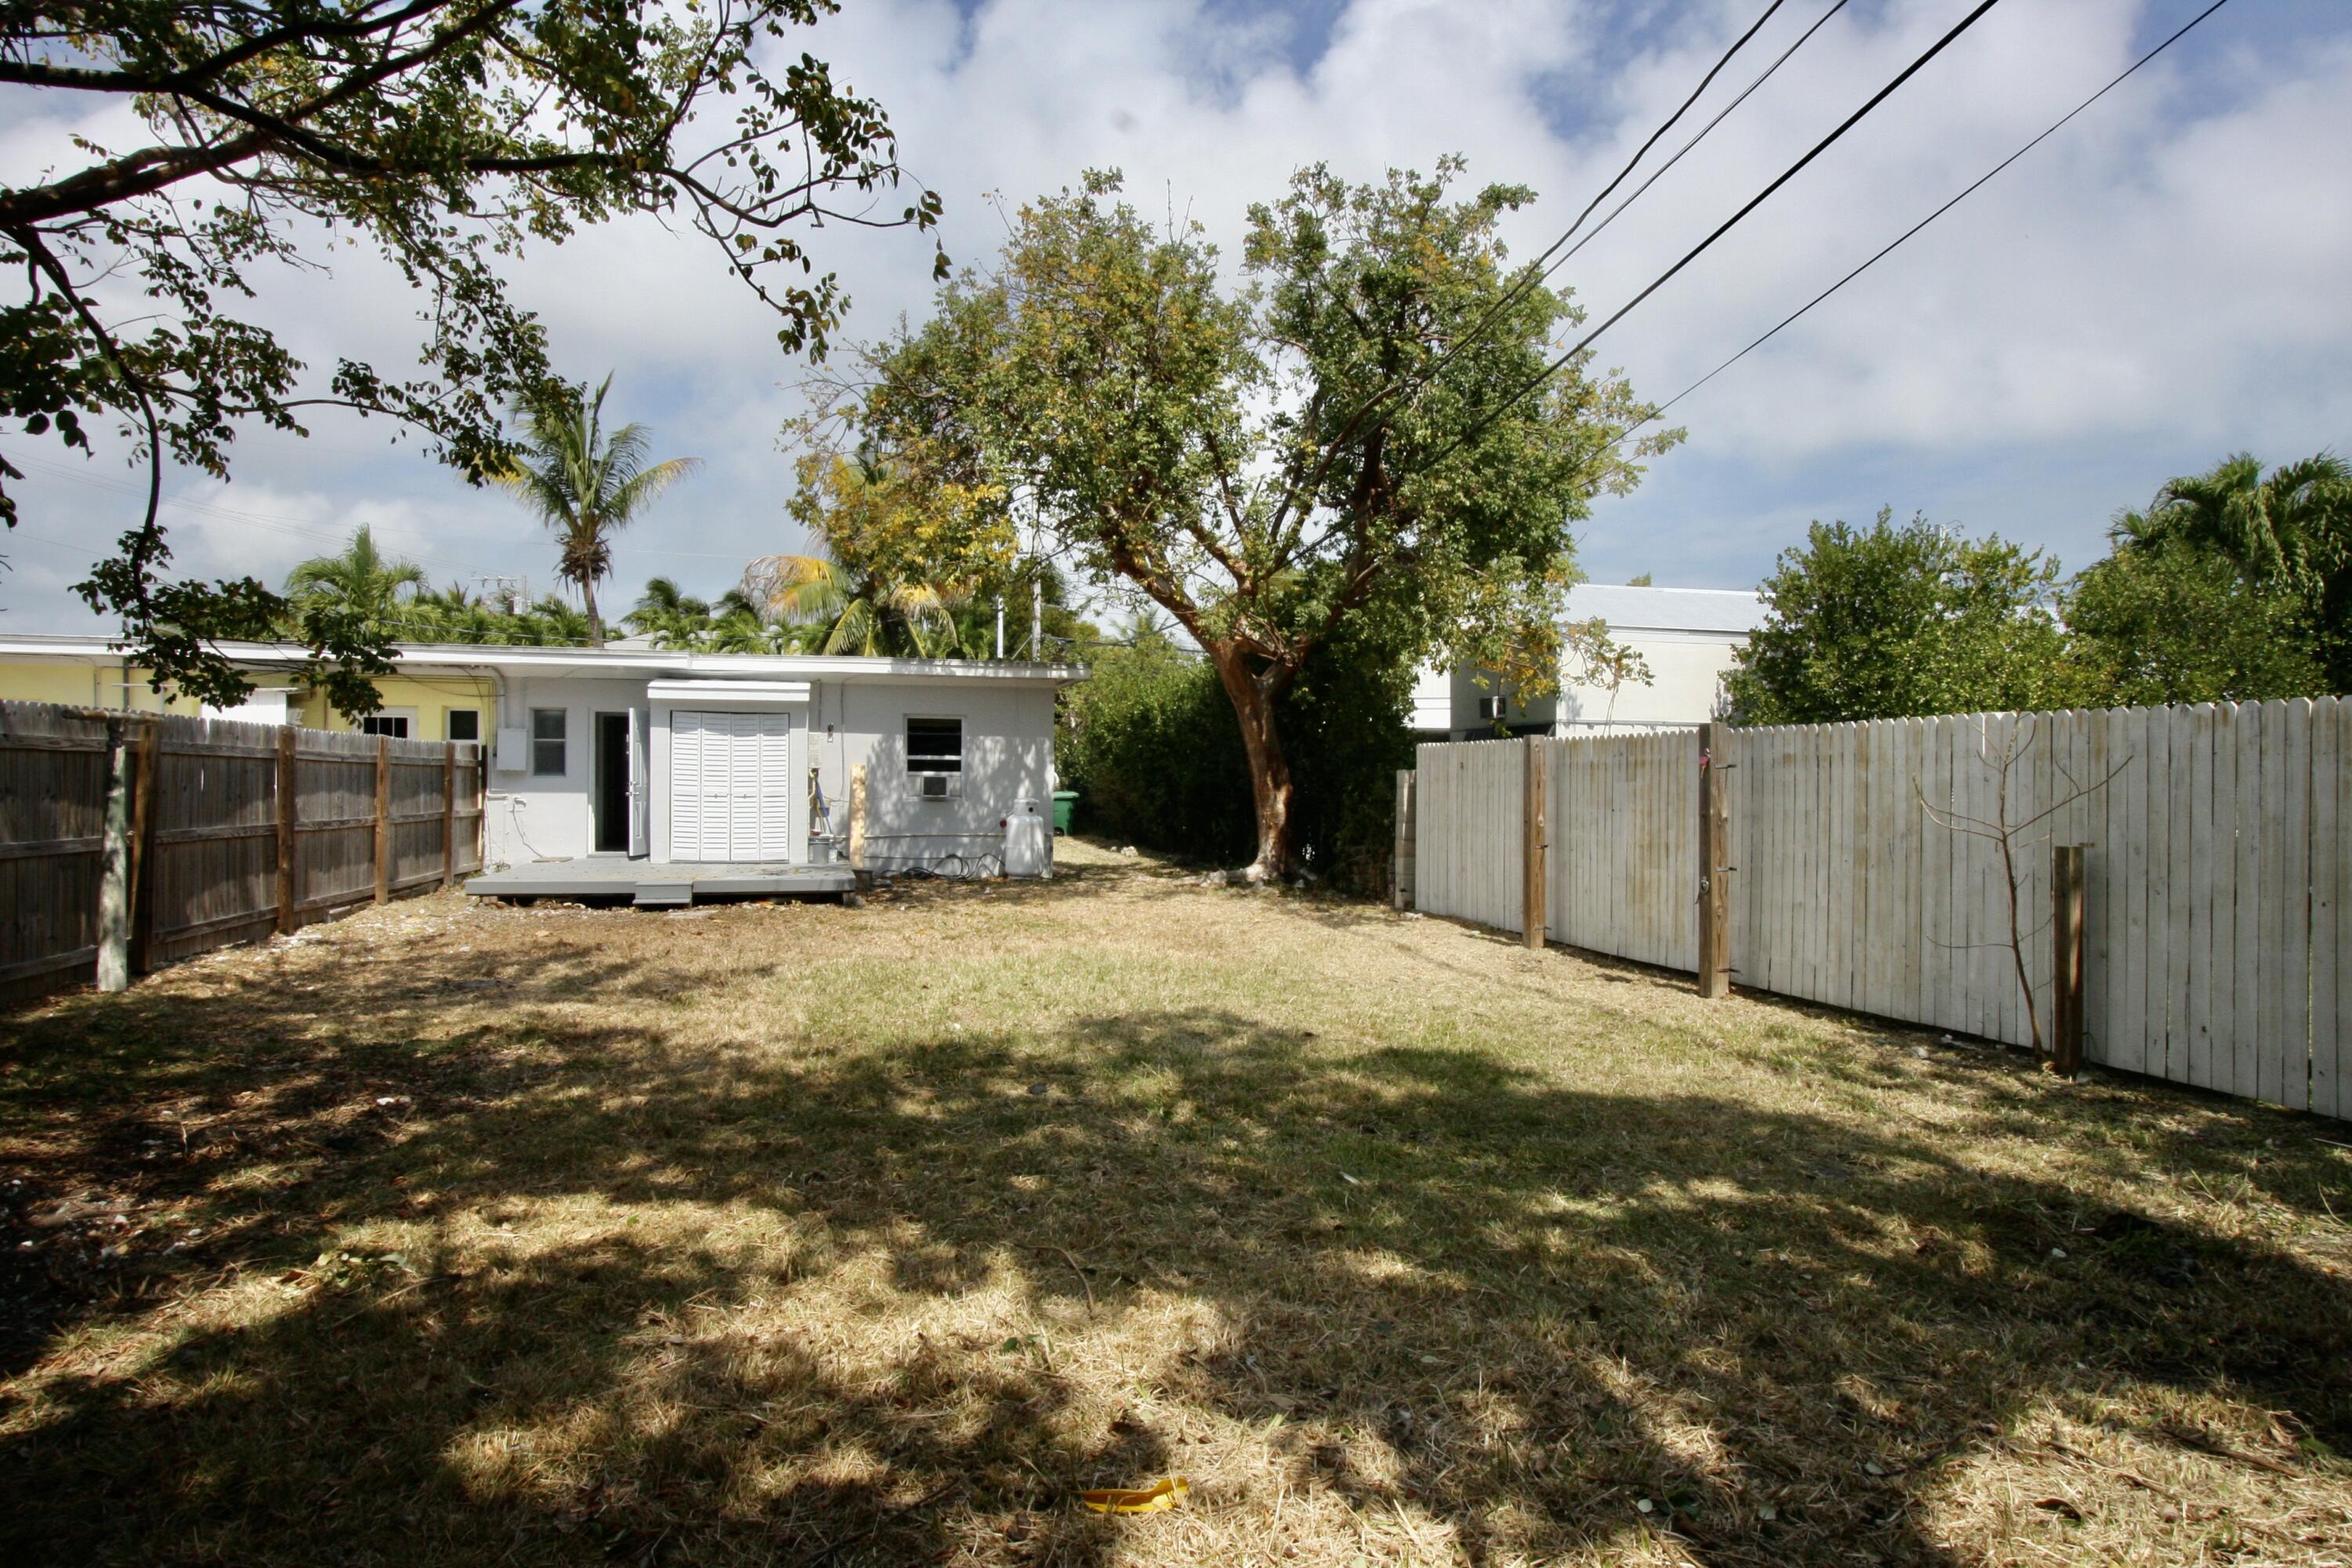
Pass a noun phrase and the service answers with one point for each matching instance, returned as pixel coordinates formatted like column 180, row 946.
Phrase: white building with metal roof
column 669, row 773
column 1686, row 637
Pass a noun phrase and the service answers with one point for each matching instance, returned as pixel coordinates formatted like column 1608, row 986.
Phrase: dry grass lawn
column 806, row 1235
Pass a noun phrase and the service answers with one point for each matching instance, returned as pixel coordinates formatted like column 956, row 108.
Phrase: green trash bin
column 1065, row 802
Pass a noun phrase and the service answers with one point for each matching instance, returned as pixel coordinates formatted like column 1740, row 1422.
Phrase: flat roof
column 1733, row 611
column 543, row 659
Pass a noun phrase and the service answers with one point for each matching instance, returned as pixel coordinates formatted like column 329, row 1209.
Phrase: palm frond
column 798, row 587
column 623, row 503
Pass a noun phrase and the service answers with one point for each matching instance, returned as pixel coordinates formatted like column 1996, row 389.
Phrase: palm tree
column 455, row 615
column 2278, row 526
column 586, row 484
column 362, row 582
column 670, row 616
column 846, row 609
column 2290, row 531
column 841, row 606
column 737, row 626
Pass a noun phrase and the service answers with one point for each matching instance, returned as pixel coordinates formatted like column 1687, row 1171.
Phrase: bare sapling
column 2010, row 837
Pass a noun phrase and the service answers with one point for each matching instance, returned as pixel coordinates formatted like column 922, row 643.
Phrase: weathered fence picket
column 1867, row 870
column 238, row 830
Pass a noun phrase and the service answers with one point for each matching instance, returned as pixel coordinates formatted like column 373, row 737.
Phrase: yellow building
column 86, row 672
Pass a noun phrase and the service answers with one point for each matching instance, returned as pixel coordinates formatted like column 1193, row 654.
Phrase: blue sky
column 2161, row 284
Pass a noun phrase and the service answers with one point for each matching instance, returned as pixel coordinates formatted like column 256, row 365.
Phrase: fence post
column 1401, row 865
column 382, row 819
column 114, row 865
column 143, row 816
column 2066, row 966
column 448, row 814
column 481, row 806
column 288, row 795
column 857, row 822
column 1713, row 901
column 1537, row 841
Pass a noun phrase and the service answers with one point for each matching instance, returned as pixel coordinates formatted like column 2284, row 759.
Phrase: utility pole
column 999, row 627
column 509, row 594
column 1037, row 613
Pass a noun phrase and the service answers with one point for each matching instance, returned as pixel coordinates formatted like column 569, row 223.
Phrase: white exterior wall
column 1433, row 700
column 545, row 817
column 657, row 773
column 266, row 705
column 1008, row 755
column 1687, row 671
column 1687, row 636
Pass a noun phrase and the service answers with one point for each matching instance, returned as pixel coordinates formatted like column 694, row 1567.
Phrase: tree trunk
column 596, row 622
column 1253, row 705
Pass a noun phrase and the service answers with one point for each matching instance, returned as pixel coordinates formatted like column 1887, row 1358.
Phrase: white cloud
column 2161, row 281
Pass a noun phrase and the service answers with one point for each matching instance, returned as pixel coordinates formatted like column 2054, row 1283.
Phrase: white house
column 628, row 768
column 1685, row 635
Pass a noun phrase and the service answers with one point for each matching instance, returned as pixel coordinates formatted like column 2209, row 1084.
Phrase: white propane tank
column 1028, row 840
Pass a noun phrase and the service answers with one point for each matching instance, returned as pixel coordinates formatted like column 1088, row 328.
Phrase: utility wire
column 1543, row 266
column 1889, row 247
column 315, row 527
column 1726, row 226
column 1635, row 163
column 1695, row 140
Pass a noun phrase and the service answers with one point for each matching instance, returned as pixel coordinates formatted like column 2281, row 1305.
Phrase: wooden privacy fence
column 219, row 833
column 1864, row 866
column 1620, row 837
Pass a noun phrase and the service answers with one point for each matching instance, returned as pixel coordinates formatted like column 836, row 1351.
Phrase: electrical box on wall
column 512, row 754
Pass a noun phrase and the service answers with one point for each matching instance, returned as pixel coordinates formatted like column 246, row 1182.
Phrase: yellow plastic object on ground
column 1117, row 1499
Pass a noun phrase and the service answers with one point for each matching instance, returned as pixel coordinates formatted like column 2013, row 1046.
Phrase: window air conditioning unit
column 937, row 787
column 1490, row 707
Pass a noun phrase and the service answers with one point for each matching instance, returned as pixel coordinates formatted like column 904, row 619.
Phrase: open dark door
column 641, row 794
column 609, row 787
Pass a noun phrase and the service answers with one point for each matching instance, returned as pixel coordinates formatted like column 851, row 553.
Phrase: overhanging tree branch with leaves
column 1273, row 461
column 446, row 134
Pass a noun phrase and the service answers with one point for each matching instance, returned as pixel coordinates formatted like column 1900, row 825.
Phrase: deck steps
column 660, row 884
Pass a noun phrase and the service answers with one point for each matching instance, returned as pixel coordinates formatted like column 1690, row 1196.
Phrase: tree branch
column 151, row 169
column 38, row 255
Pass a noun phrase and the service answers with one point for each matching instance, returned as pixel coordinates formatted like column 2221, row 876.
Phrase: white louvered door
column 743, row 785
column 688, row 811
column 730, row 786
column 772, row 839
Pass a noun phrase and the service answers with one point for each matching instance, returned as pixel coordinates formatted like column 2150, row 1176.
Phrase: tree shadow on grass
column 1441, row 1288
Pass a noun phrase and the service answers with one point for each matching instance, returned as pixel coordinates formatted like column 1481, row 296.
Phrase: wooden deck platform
column 659, row 883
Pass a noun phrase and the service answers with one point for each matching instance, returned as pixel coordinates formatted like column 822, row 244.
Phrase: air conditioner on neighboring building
column 1490, row 707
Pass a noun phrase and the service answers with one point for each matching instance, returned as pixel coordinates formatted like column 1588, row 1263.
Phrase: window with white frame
column 463, row 725
column 935, row 757
column 400, row 723
column 547, row 747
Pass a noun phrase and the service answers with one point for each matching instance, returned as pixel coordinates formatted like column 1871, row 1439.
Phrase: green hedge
column 1151, row 745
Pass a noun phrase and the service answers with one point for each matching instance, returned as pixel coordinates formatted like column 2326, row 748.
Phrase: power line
column 1890, row 247
column 1644, row 151
column 278, row 525
column 1530, row 279
column 315, row 527
column 1701, row 136
column 1793, row 170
